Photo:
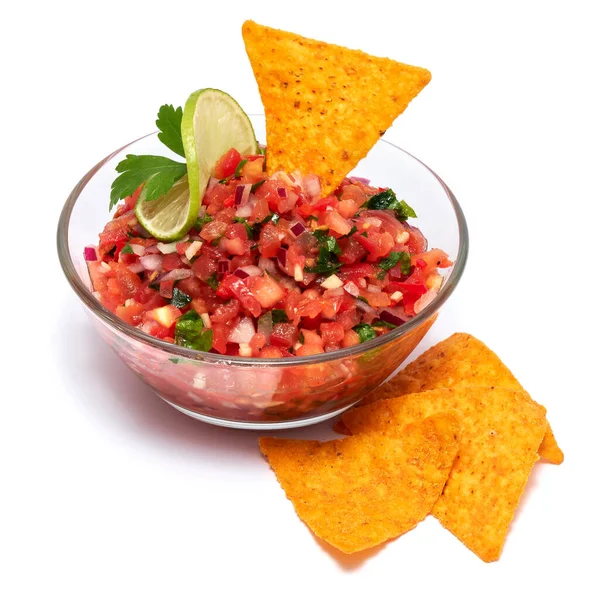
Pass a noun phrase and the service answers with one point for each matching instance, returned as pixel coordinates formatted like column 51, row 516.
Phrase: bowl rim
column 96, row 307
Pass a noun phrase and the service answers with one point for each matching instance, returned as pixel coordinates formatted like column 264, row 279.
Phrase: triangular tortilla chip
column 325, row 105
column 460, row 360
column 358, row 492
column 501, row 432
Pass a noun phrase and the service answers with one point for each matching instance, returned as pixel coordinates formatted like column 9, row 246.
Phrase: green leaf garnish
column 169, row 123
column 324, row 262
column 351, row 232
column 279, row 315
column 384, row 324
column 202, row 221
column 127, row 249
column 393, row 259
column 213, row 282
column 157, row 172
column 256, row 185
column 365, row 332
column 180, row 299
column 238, row 169
column 387, row 200
column 190, row 333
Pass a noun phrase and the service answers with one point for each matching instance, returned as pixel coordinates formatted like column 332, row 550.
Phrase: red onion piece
column 244, row 211
column 312, row 186
column 297, row 228
column 223, row 266
column 282, row 192
column 242, row 193
column 252, row 270
column 266, row 264
column 282, row 256
column 392, row 318
column 175, row 275
column 360, row 180
column 153, row 249
column 243, row 332
column 352, row 288
column 151, row 262
column 136, row 267
column 90, row 254
column 241, row 274
column 364, row 307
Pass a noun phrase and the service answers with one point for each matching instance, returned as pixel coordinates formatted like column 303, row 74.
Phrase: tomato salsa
column 270, row 269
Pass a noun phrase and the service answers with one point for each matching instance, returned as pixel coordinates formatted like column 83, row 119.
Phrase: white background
column 109, row 493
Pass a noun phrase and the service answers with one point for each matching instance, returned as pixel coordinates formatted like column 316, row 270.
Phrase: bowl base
column 258, row 426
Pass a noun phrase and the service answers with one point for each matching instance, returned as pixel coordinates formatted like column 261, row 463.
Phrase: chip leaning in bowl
column 271, row 268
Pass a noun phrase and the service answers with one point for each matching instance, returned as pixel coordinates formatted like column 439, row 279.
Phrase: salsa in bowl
column 305, row 318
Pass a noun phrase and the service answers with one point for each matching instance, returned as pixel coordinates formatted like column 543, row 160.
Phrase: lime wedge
column 213, row 122
column 170, row 216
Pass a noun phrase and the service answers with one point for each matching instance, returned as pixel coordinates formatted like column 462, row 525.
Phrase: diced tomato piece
column 311, row 322
column 111, row 238
column 235, row 286
column 132, row 313
column 312, row 338
column 376, row 299
column 191, row 286
column 166, row 288
column 128, row 283
column 213, row 230
column 257, row 342
column 308, row 350
column 337, row 223
column 165, row 315
column 269, row 242
column 227, row 164
column 235, row 246
column 332, row 333
column 355, row 271
column 266, row 290
column 252, row 171
column 351, row 338
column 352, row 251
column 261, row 210
column 270, row 352
column 227, row 311
column 348, row 319
column 172, row 261
column 284, row 334
column 205, row 265
column 220, row 335
column 407, row 288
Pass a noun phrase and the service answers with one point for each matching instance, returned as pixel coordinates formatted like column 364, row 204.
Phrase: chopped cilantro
column 384, row 324
column 312, row 218
column 180, row 299
column 387, row 200
column 351, row 232
column 301, row 338
column 324, row 262
column 249, row 229
column 256, row 185
column 127, row 249
column 202, row 221
column 365, row 332
column 212, row 281
column 238, row 169
column 365, row 234
column 189, row 332
column 279, row 315
column 393, row 259
column 362, row 299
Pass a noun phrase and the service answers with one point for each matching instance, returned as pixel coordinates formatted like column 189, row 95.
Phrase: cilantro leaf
column 393, row 259
column 189, row 332
column 351, row 232
column 180, row 299
column 279, row 315
column 238, row 169
column 202, row 221
column 159, row 172
column 365, row 332
column 324, row 263
column 333, row 246
column 256, row 185
column 387, row 200
column 127, row 249
column 169, row 123
column 384, row 324
column 213, row 282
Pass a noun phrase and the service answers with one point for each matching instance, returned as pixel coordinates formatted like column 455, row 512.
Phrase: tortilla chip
column 325, row 105
column 460, row 360
column 358, row 492
column 501, row 432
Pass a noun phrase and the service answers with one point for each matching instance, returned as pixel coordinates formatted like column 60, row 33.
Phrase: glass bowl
column 265, row 393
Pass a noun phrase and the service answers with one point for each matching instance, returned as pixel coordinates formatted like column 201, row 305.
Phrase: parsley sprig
column 158, row 173
column 387, row 200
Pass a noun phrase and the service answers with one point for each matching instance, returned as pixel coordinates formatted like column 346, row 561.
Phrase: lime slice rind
column 213, row 123
column 170, row 216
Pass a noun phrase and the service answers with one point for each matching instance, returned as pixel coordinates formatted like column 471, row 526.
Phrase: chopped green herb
column 393, row 259
column 321, row 235
column 256, row 185
column 249, row 229
column 180, row 299
column 312, row 218
column 333, row 246
column 212, row 281
column 154, row 286
column 279, row 315
column 189, row 332
column 224, row 181
column 274, row 218
column 238, row 169
column 365, row 234
column 301, row 338
column 261, row 149
column 387, row 200
column 384, row 324
column 202, row 221
column 324, row 262
column 351, row 232
column 362, row 299
column 127, row 249
column 365, row 332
